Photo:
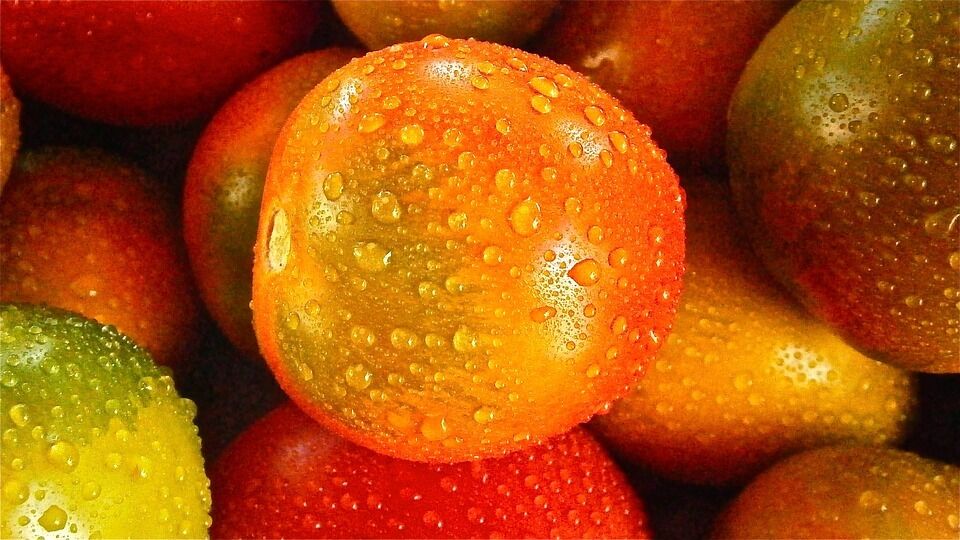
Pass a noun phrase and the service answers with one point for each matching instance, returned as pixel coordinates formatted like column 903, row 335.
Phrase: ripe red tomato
column 221, row 199
column 86, row 232
column 848, row 492
column 9, row 127
column 673, row 63
column 145, row 62
column 463, row 249
column 286, row 477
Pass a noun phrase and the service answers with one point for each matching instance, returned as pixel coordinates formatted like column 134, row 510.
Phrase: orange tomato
column 464, row 249
column 746, row 376
column 9, row 127
column 83, row 231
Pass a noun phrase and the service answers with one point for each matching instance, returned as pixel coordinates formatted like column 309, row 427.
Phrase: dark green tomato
column 843, row 151
column 96, row 441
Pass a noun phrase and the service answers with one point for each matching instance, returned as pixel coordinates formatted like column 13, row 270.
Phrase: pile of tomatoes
column 527, row 268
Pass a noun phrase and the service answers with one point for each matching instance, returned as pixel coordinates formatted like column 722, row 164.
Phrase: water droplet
column 505, row 180
column 484, row 415
column 64, row 455
column 595, row 115
column 371, row 256
column 619, row 325
column 619, row 141
column 593, row 370
column 618, row 258
column 278, row 242
column 525, row 218
column 358, row 376
column 492, row 255
column 541, row 104
column 333, row 186
column 595, row 234
column 838, row 102
column 503, row 126
column 53, row 519
column 585, row 272
column 434, row 428
column 371, row 122
column 435, row 41
column 385, row 207
column 545, row 86
column 411, row 134
column 18, row 413
column 943, row 223
column 542, row 314
column 452, row 137
column 480, row 82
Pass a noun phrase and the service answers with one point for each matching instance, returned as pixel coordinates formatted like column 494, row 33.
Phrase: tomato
column 463, row 249
column 83, row 231
column 843, row 152
column 379, row 23
column 221, row 200
column 673, row 63
column 9, row 127
column 848, row 493
column 288, row 477
column 96, row 441
column 145, row 62
column 746, row 376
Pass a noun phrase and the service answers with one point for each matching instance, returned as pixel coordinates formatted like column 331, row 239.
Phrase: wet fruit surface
column 225, row 184
column 86, row 232
column 848, row 493
column 746, row 376
column 380, row 23
column 9, row 127
column 96, row 442
column 674, row 64
column 288, row 477
column 145, row 62
column 463, row 249
column 843, row 150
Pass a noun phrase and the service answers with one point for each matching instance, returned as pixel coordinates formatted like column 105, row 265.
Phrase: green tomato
column 844, row 158
column 96, row 441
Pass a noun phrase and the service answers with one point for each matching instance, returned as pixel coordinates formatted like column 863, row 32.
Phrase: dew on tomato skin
column 543, row 314
column 370, row 123
column 525, row 217
column 541, row 104
column 586, row 272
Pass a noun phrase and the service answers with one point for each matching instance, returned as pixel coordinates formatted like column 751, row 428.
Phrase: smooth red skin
column 221, row 198
column 673, row 63
column 145, row 62
column 75, row 221
column 288, row 477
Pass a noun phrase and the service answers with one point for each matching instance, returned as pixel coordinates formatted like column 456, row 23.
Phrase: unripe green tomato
column 843, row 152
column 96, row 442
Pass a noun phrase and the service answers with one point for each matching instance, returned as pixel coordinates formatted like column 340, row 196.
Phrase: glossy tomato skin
column 288, row 477
column 9, row 127
column 96, row 441
column 463, row 249
column 221, row 200
column 87, row 232
column 848, row 492
column 746, row 376
column 673, row 63
column 145, row 62
column 843, row 150
column 381, row 23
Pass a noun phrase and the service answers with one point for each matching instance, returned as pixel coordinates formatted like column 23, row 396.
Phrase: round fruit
column 463, row 249
column 843, row 153
column 674, row 63
column 145, row 62
column 746, row 376
column 848, row 492
column 286, row 477
column 221, row 200
column 379, row 23
column 9, row 127
column 83, row 231
column 96, row 441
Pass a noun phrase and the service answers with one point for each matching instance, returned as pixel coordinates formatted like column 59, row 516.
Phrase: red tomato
column 463, row 249
column 145, row 62
column 288, row 477
column 673, row 63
